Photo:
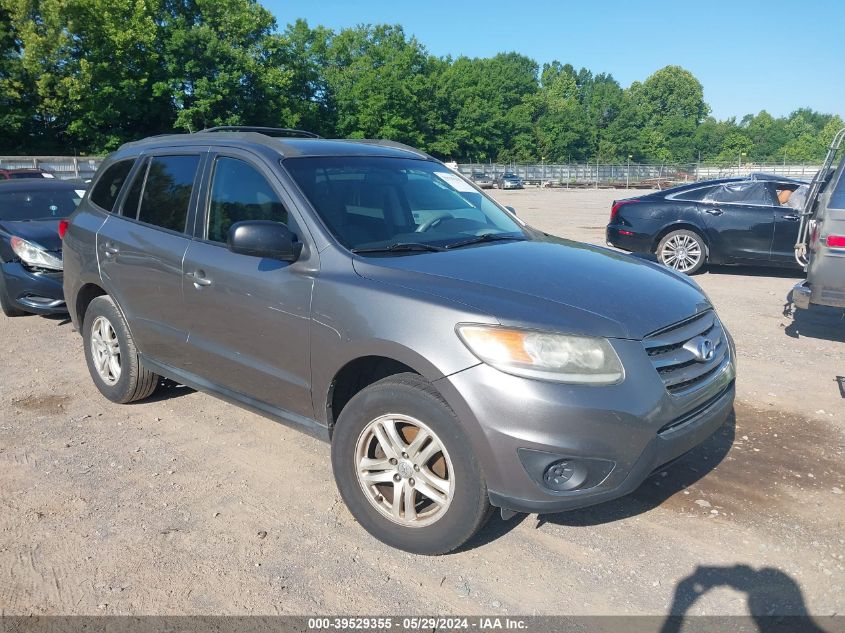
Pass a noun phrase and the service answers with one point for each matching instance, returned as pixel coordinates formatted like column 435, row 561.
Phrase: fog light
column 564, row 475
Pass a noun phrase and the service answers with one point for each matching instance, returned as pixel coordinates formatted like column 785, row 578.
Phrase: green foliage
column 79, row 76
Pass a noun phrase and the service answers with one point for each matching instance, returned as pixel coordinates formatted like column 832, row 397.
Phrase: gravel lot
column 187, row 505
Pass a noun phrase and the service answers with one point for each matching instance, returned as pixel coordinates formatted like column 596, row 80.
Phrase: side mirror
column 263, row 238
column 511, row 209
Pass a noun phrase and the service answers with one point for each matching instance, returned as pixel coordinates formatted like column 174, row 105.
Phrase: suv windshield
column 38, row 205
column 378, row 204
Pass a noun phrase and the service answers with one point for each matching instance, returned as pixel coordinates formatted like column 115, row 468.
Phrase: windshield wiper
column 399, row 247
column 486, row 237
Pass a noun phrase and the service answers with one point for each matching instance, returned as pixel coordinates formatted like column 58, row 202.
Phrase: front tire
column 111, row 355
column 405, row 468
column 682, row 250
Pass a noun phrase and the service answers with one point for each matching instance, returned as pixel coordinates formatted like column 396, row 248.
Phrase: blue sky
column 749, row 55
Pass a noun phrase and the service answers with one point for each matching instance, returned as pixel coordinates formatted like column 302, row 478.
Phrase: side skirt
column 283, row 416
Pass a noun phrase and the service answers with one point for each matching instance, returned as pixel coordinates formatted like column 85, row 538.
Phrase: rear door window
column 752, row 193
column 105, row 192
column 167, row 191
column 239, row 193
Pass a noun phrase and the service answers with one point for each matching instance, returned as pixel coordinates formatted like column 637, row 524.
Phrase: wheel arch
column 84, row 296
column 355, row 376
column 363, row 365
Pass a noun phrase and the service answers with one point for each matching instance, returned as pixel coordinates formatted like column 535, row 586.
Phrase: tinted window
column 837, row 198
column 167, row 191
column 238, row 193
column 38, row 205
column 105, row 192
column 133, row 196
column 692, row 194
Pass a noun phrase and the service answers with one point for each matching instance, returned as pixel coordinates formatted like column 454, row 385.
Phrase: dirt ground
column 187, row 505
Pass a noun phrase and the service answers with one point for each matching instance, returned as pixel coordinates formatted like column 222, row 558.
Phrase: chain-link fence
column 632, row 175
column 64, row 167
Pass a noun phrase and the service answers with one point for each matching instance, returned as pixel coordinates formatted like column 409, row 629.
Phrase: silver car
column 821, row 240
column 509, row 180
column 456, row 359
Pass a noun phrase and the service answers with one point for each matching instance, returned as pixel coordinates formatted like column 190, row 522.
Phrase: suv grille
column 688, row 353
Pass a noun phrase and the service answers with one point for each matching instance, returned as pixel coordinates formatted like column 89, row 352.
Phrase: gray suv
column 456, row 359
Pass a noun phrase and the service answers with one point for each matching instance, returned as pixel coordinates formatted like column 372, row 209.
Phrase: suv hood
column 42, row 232
column 553, row 284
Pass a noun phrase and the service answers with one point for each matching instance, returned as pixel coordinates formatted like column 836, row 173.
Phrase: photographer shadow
column 775, row 600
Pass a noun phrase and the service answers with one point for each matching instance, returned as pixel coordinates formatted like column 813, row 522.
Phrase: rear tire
column 6, row 304
column 427, row 497
column 683, row 250
column 111, row 355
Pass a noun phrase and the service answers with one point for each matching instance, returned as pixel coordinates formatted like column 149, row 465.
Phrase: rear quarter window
column 693, row 195
column 837, row 197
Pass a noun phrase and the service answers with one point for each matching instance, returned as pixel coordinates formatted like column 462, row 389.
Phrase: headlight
column 35, row 255
column 544, row 355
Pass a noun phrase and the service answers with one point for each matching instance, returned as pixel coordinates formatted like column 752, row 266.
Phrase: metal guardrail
column 64, row 167
column 633, row 175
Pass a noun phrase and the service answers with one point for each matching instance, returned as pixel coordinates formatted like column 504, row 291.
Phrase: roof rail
column 267, row 131
column 388, row 143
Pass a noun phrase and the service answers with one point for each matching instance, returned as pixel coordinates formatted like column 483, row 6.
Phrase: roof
column 40, row 184
column 287, row 147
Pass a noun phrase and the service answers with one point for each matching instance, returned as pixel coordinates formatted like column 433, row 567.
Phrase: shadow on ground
column 775, row 600
column 754, row 271
column 819, row 322
column 166, row 390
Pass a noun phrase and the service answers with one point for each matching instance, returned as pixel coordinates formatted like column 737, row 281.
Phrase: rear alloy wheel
column 112, row 357
column 682, row 250
column 405, row 468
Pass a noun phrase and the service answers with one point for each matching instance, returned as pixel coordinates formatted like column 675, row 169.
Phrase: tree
column 672, row 101
column 380, row 84
column 222, row 60
column 486, row 107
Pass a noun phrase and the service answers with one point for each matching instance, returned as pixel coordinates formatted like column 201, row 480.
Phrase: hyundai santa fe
column 457, row 359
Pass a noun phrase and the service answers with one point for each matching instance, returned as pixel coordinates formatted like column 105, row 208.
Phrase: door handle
column 199, row 279
column 791, row 218
column 714, row 211
column 110, row 251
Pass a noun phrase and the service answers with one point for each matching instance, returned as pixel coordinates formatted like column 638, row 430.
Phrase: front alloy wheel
column 404, row 470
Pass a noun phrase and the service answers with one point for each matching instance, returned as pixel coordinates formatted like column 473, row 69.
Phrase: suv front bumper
column 613, row 436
